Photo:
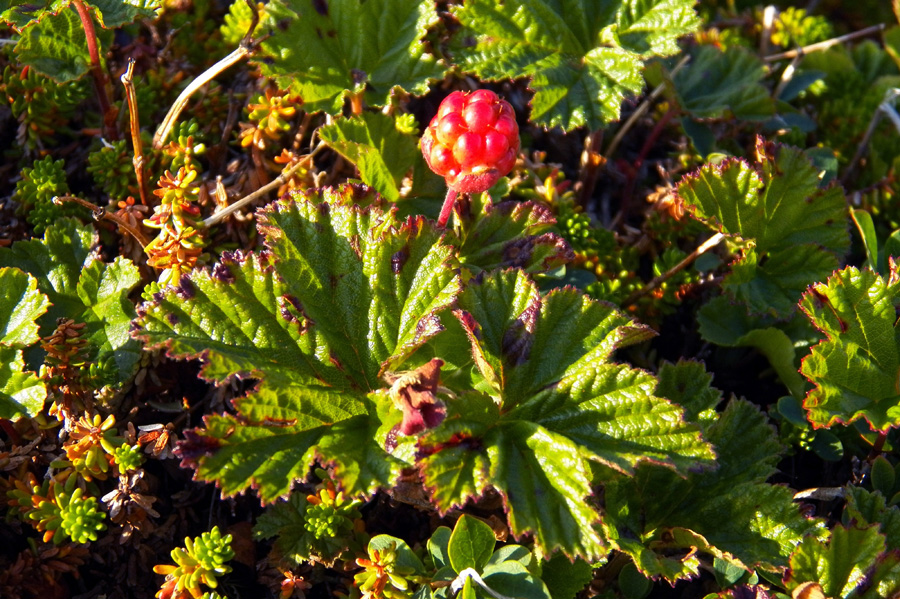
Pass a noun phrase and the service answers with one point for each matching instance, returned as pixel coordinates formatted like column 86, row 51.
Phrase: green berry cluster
column 35, row 192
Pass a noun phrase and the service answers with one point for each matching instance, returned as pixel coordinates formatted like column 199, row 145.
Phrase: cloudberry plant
column 36, row 189
column 472, row 141
column 201, row 561
column 178, row 246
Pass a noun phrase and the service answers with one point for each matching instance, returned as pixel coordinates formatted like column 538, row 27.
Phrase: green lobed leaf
column 583, row 58
column 372, row 142
column 565, row 578
column 21, row 304
column 22, row 393
column 544, row 360
column 82, row 288
column 55, row 46
column 513, row 235
column 103, row 288
column 343, row 295
column 734, row 510
column 853, row 563
column 865, row 508
column 689, row 385
column 854, row 370
column 322, row 50
column 111, row 14
column 471, row 544
column 717, row 83
column 796, row 229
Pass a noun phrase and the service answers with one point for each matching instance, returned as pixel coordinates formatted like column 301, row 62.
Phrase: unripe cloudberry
column 472, row 141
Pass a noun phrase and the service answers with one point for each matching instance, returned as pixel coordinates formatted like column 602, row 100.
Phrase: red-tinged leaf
column 798, row 229
column 343, row 296
column 856, row 369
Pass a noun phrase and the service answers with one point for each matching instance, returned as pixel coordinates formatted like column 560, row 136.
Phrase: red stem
column 447, row 208
column 632, row 177
column 101, row 81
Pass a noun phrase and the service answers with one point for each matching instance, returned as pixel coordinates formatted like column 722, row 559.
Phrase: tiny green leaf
column 438, row 547
column 471, row 544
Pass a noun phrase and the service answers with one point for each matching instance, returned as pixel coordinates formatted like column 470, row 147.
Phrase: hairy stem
column 101, row 82
column 447, row 208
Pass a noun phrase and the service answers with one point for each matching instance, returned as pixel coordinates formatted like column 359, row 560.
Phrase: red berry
column 495, row 146
column 450, row 128
column 483, row 95
column 469, row 150
column 478, row 116
column 472, row 141
column 455, row 102
column 442, row 161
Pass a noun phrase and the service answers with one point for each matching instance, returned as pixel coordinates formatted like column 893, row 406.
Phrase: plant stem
column 447, row 208
column 101, row 81
column 625, row 207
column 162, row 132
column 824, row 45
column 101, row 213
column 591, row 161
column 276, row 183
column 702, row 249
column 643, row 108
column 138, row 160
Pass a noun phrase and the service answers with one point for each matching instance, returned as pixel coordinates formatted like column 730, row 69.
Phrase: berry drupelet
column 472, row 141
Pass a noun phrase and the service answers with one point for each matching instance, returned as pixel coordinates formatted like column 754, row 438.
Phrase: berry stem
column 447, row 208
